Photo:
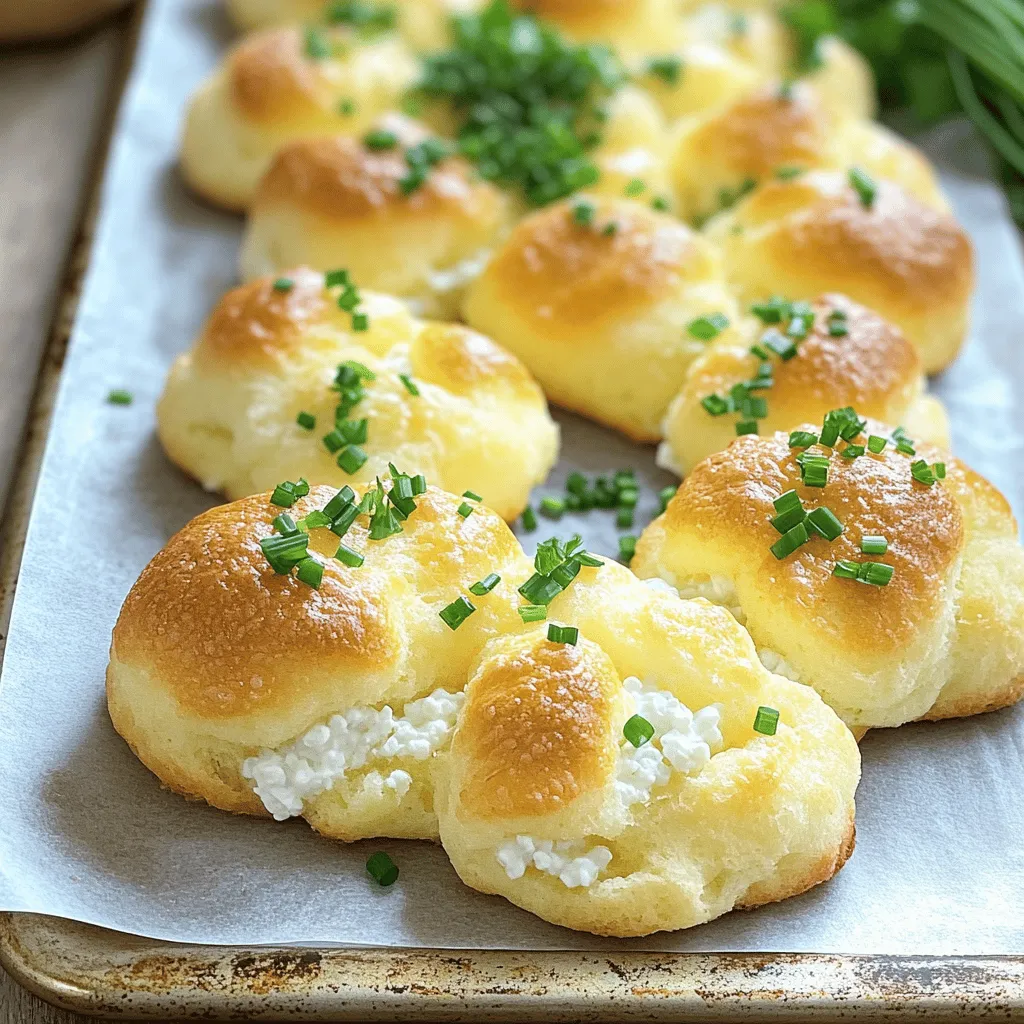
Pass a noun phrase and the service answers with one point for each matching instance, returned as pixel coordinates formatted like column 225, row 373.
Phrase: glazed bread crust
column 871, row 367
column 229, row 409
column 943, row 637
column 217, row 663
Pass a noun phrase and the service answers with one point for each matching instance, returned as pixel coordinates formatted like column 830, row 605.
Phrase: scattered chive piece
column 638, row 731
column 583, row 212
column 532, row 612
column 610, row 229
column 529, row 519
column 715, row 405
column 486, row 585
column 347, row 108
column 316, row 520
column 553, row 508
column 120, row 397
column 845, row 569
column 665, row 495
column 922, row 472
column 352, row 459
column 419, row 484
column 624, row 518
column 771, row 311
column 802, row 439
column 334, row 278
column 472, row 495
column 311, row 572
column 283, row 284
column 876, row 444
column 905, row 447
column 409, row 384
column 659, row 203
column 766, row 721
column 668, row 69
column 837, row 327
column 853, row 451
column 814, row 473
column 318, row 44
column 788, row 173
column 746, row 427
column 635, row 188
column 627, row 547
column 382, row 869
column 348, row 557
column 754, row 407
column 380, row 139
column 360, row 322
column 465, row 510
column 285, row 552
column 877, row 574
column 705, row 328
column 540, row 589
column 874, row 544
column 455, row 614
column 787, row 501
column 284, row 524
column 783, row 347
column 587, row 559
column 790, row 541
column 864, row 185
column 563, row 634
column 339, row 503
column 759, row 351
column 286, row 494
column 939, row 469
column 825, row 522
column 786, row 92
column 306, row 420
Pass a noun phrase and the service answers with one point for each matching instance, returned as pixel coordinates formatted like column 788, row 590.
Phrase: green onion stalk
column 937, row 59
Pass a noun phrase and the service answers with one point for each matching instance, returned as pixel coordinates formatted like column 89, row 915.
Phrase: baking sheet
column 88, row 834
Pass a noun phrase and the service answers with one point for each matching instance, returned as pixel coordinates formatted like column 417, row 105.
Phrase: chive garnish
column 455, row 614
column 348, row 557
column 382, row 869
column 627, row 548
column 668, row 68
column 306, row 420
column 802, row 439
column 529, row 519
column 283, row 284
column 311, row 572
column 766, row 721
column 486, row 585
column 825, row 522
column 533, row 612
column 665, row 495
column 465, row 510
column 409, row 384
column 864, row 185
column 874, row 544
column 705, row 328
column 876, row 444
column 120, row 397
column 286, row 494
column 638, row 731
column 568, row 635
column 553, row 508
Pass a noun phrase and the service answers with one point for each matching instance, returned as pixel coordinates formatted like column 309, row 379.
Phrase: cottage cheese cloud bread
column 594, row 295
column 878, row 570
column 283, row 383
column 359, row 658
column 846, row 231
column 285, row 84
column 790, row 364
column 394, row 208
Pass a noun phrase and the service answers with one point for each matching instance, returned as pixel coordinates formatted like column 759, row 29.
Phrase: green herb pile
column 529, row 100
column 937, row 59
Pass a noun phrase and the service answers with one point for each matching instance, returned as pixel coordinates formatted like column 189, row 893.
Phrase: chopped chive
column 814, row 473
column 419, row 484
column 790, row 541
column 659, row 203
column 635, row 188
column 746, row 427
column 783, row 347
column 760, row 351
column 283, row 284
column 864, row 185
column 624, row 518
column 346, row 108
column 665, row 495
column 576, row 483
column 583, row 212
column 922, row 472
column 773, row 311
column 905, row 447
column 380, row 139
column 715, row 405
column 837, row 326
column 120, row 397
column 311, row 572
column 334, row 278
column 852, row 451
column 553, row 508
column 825, row 522
column 339, row 502
column 382, row 869
column 610, row 229
column 876, row 444
column 348, row 557
column 939, row 469
column 360, row 322
column 877, row 574
column 465, row 510
column 529, row 519
column 874, row 544
column 587, row 559
column 306, row 420
column 409, row 384
column 352, row 459
column 705, row 328
column 845, row 569
column 286, row 494
column 638, row 731
column 284, row 524
column 627, row 547
column 766, row 721
column 802, row 439
column 540, row 589
column 455, row 614
column 668, row 68
column 317, row 45
column 788, row 173
column 472, row 495
column 486, row 585
column 285, row 552
column 754, row 407
column 316, row 520
column 532, row 612
column 786, row 501
column 568, row 635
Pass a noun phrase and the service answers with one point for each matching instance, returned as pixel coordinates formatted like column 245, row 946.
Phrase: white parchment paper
column 87, row 832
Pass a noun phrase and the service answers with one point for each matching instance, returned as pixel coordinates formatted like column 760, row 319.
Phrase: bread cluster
column 941, row 639
column 272, row 349
column 357, row 707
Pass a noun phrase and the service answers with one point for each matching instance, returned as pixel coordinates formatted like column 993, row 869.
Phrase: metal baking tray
column 99, row 972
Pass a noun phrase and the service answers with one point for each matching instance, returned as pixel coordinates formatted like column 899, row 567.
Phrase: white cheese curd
column 461, row 274
column 284, row 778
column 682, row 742
column 567, row 861
column 657, row 584
column 777, row 663
column 718, row 590
column 398, row 782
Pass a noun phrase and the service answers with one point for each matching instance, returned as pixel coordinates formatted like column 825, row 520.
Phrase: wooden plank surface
column 54, row 110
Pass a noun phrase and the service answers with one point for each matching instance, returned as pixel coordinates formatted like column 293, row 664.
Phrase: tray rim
column 98, row 972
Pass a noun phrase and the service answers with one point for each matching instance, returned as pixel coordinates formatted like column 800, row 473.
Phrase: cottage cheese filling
column 570, row 862
column 283, row 779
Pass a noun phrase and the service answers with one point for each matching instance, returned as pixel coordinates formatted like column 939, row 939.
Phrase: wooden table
column 56, row 103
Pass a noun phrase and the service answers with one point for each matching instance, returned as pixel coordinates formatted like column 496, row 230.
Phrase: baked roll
column 281, row 85
column 278, row 387
column 834, row 353
column 914, row 610
column 337, row 202
column 868, row 238
column 720, row 153
column 630, row 26
column 595, row 296
column 367, row 699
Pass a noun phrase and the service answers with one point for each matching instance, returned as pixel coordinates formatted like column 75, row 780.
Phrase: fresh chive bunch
column 530, row 101
column 936, row 58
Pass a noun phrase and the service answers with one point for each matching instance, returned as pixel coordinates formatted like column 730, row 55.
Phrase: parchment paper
column 87, row 832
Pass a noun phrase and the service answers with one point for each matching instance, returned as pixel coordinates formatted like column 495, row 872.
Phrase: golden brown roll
column 849, row 357
column 594, row 295
column 361, row 701
column 720, row 153
column 814, row 233
column 755, row 38
column 281, row 85
column 630, row 26
column 931, row 627
column 334, row 202
column 229, row 413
